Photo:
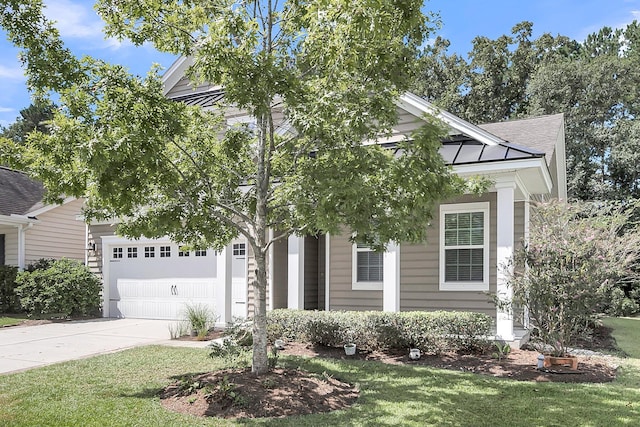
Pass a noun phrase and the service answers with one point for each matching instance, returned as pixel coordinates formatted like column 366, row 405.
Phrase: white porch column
column 223, row 289
column 295, row 272
column 391, row 278
column 505, row 243
column 21, row 246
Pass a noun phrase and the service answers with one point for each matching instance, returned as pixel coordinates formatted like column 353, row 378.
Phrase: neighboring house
column 470, row 237
column 29, row 229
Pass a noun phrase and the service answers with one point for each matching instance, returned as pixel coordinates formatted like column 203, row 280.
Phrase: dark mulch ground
column 239, row 394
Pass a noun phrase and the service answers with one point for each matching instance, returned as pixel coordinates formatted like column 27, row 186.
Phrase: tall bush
column 65, row 288
column 578, row 254
column 9, row 302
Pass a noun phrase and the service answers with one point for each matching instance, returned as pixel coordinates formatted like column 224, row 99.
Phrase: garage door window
column 183, row 253
column 117, row 253
column 201, row 253
column 165, row 251
column 149, row 252
column 132, row 252
column 239, row 249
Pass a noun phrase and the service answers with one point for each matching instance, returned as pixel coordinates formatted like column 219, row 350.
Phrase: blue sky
column 462, row 20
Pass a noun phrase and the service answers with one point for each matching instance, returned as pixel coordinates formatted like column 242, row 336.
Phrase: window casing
column 367, row 268
column 183, row 253
column 464, row 247
column 201, row 253
column 117, row 253
column 132, row 252
column 165, row 251
column 149, row 252
column 239, row 249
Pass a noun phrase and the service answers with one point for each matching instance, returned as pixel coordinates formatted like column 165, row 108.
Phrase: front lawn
column 11, row 320
column 121, row 389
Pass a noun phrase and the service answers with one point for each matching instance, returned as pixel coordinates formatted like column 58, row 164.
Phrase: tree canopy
column 319, row 78
column 594, row 82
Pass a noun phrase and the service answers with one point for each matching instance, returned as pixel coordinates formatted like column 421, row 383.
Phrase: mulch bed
column 240, row 394
column 518, row 365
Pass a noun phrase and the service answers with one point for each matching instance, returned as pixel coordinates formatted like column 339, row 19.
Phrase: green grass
column 121, row 389
column 11, row 320
column 626, row 331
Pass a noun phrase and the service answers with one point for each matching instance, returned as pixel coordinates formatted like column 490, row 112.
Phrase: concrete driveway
column 23, row 348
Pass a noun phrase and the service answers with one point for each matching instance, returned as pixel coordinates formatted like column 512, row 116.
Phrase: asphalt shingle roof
column 19, row 194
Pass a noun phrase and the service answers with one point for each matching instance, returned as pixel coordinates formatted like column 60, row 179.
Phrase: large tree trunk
column 260, row 360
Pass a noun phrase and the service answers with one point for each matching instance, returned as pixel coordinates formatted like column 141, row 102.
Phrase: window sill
column 366, row 286
column 464, row 286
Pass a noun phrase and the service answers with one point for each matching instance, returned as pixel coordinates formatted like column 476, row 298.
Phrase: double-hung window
column 464, row 247
column 367, row 268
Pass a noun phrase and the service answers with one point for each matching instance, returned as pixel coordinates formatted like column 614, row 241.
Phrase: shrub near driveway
column 431, row 332
column 64, row 287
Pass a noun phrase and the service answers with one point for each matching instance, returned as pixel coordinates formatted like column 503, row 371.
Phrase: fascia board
column 418, row 107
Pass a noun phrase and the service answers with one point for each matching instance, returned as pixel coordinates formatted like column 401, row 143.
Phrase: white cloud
column 73, row 19
column 6, row 110
column 15, row 73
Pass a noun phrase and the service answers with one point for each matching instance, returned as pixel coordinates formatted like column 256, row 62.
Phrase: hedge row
column 9, row 302
column 431, row 332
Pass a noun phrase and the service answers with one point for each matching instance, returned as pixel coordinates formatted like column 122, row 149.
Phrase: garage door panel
column 161, row 287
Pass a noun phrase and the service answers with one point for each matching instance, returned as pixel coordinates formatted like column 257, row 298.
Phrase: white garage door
column 155, row 280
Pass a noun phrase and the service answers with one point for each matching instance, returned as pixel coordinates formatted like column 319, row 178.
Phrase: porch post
column 295, row 270
column 391, row 278
column 21, row 247
column 505, row 246
column 223, row 288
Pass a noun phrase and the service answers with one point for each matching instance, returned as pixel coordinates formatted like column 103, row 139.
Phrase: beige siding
column 310, row 273
column 94, row 257
column 10, row 244
column 420, row 271
column 342, row 297
column 57, row 234
column 553, row 171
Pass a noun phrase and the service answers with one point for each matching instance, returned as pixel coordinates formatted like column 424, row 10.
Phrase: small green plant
column 272, row 360
column 269, row 383
column 200, row 318
column 224, row 390
column 502, row 350
column 188, row 385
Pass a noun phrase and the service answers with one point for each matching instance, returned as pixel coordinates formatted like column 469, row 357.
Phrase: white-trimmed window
column 149, row 252
column 165, row 251
column 464, row 247
column 117, row 253
column 367, row 268
column 132, row 252
column 201, row 252
column 239, row 249
column 183, row 253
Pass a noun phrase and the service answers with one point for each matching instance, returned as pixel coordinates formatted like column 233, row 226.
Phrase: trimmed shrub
column 9, row 302
column 65, row 288
column 431, row 332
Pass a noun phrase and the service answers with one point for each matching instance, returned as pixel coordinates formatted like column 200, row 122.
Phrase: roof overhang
column 532, row 175
column 17, row 220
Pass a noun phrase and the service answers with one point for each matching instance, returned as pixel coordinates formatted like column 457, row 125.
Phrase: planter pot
column 414, row 354
column 568, row 361
column 279, row 344
column 349, row 349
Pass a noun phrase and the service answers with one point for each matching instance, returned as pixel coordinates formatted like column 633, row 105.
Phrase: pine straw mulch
column 286, row 392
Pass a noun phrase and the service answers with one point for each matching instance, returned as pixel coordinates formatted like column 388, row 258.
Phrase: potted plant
column 350, row 349
column 349, row 346
column 414, row 353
